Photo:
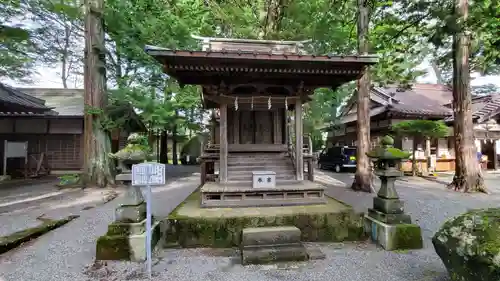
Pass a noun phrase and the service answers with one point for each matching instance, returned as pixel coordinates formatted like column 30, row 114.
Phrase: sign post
column 148, row 175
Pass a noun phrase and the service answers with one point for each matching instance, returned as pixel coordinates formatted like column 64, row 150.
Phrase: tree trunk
column 98, row 167
column 467, row 171
column 362, row 178
column 174, row 141
column 191, row 120
column 164, row 147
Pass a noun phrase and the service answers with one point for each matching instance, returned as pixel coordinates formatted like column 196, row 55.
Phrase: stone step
column 256, row 154
column 231, row 177
column 273, row 160
column 256, row 236
column 261, row 167
column 257, row 158
column 249, row 182
column 273, row 168
column 259, row 161
column 273, row 254
column 249, row 171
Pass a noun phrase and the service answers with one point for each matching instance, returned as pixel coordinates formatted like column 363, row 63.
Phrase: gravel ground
column 349, row 262
column 63, row 253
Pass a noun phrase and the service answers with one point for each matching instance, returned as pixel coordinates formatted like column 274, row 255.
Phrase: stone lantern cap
column 386, row 151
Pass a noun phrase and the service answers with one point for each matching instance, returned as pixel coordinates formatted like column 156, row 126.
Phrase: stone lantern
column 386, row 222
column 126, row 236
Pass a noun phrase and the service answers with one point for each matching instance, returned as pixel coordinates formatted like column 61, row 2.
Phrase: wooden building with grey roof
column 50, row 122
column 390, row 105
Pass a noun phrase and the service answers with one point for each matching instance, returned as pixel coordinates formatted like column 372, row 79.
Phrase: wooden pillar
column 428, row 154
column 203, row 174
column 223, row 143
column 310, row 170
column 236, row 127
column 299, row 140
column 495, row 156
column 277, row 123
column 287, row 130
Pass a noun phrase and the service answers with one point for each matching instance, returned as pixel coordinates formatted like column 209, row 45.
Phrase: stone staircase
column 241, row 165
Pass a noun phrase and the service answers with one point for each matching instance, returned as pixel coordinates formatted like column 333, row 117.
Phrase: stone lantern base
column 394, row 236
column 126, row 241
column 126, row 236
column 386, row 222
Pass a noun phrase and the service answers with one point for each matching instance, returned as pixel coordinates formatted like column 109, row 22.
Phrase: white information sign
column 147, row 175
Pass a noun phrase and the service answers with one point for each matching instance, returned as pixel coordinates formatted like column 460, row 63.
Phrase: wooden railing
column 291, row 145
column 307, row 144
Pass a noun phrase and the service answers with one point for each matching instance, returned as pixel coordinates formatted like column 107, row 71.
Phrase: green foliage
column 16, row 58
column 69, row 179
column 421, row 128
column 59, row 35
column 192, row 147
column 402, row 33
column 436, row 23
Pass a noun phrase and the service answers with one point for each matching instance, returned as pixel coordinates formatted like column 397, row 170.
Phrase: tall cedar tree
column 362, row 178
column 467, row 171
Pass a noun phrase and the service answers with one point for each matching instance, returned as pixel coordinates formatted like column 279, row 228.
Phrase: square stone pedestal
column 402, row 236
column 126, row 241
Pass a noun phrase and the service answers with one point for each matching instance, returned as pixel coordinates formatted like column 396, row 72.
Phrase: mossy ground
column 192, row 226
column 14, row 240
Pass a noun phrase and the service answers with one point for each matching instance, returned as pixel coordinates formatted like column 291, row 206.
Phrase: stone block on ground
column 272, row 254
column 126, row 247
column 469, row 245
column 394, row 236
column 270, row 235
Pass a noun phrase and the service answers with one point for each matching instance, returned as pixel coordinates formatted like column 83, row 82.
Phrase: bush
column 193, row 149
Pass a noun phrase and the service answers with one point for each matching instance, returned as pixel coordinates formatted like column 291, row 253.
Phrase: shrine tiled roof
column 483, row 108
column 211, row 67
column 420, row 99
column 158, row 52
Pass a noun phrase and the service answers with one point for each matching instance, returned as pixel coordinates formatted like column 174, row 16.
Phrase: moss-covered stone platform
column 193, row 226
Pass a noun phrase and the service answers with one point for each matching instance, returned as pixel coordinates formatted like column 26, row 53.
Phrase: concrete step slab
column 270, row 235
column 278, row 182
column 260, row 168
column 249, row 178
column 273, row 254
column 250, row 171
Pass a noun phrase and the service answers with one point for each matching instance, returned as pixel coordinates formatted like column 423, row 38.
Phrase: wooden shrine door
column 256, row 127
column 263, row 127
column 246, row 127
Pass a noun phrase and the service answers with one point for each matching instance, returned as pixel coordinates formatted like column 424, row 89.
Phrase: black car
column 338, row 158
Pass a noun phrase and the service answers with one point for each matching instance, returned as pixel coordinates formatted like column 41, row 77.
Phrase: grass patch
column 16, row 239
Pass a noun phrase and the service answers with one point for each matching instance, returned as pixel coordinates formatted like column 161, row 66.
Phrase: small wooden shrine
column 256, row 89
